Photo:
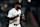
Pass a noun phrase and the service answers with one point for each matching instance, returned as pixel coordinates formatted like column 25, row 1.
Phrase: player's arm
column 11, row 16
column 13, row 19
column 21, row 18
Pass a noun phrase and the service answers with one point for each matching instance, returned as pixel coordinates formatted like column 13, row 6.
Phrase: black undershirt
column 12, row 18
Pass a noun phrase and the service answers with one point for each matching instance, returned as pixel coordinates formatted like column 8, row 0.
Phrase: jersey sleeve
column 10, row 14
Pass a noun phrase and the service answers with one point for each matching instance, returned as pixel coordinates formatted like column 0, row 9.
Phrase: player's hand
column 17, row 15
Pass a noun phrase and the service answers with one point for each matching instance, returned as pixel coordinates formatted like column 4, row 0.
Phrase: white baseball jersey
column 13, row 12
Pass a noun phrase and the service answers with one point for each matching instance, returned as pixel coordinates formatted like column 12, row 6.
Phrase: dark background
column 31, row 10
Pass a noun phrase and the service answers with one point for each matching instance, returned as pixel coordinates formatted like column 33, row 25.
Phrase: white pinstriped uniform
column 13, row 12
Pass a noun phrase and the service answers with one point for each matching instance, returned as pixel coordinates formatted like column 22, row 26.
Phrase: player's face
column 19, row 5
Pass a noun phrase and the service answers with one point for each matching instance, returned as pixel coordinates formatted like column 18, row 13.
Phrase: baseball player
column 14, row 16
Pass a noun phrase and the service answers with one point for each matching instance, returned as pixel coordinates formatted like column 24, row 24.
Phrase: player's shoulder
column 12, row 9
column 19, row 9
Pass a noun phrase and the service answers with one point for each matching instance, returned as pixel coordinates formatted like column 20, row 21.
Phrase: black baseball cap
column 17, row 3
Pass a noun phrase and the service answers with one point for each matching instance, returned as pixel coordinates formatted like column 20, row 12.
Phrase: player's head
column 18, row 5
